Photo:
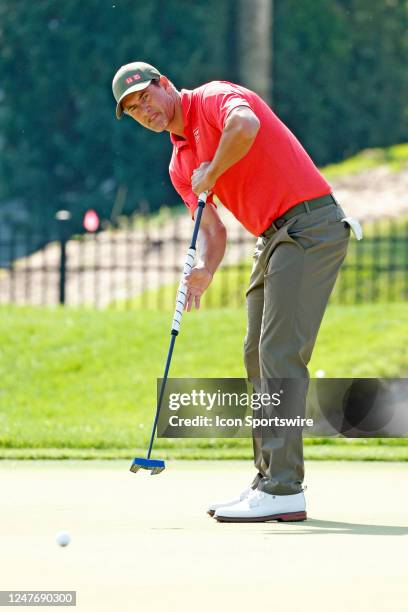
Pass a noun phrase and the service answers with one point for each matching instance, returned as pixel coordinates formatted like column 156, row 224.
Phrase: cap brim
column 138, row 87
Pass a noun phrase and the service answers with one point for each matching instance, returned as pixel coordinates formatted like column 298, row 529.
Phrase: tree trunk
column 255, row 46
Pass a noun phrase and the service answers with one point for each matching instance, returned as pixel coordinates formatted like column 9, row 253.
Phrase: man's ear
column 164, row 81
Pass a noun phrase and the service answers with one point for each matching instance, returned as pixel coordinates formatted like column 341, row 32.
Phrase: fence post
column 63, row 217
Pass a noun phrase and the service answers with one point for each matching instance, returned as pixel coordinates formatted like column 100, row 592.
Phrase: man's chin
column 157, row 128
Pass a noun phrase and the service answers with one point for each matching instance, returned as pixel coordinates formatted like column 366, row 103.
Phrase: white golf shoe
column 224, row 504
column 261, row 507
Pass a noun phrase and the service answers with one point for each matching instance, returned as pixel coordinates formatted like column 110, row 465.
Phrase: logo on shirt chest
column 196, row 133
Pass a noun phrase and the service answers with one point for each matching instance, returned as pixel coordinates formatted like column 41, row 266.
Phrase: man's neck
column 176, row 125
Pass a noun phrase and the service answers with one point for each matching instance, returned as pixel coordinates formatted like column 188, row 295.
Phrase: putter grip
column 182, row 291
column 191, row 253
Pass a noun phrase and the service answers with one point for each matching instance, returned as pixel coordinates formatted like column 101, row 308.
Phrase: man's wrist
column 207, row 269
column 212, row 175
column 203, row 266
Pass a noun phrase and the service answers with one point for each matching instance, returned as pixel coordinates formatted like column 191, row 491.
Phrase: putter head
column 155, row 466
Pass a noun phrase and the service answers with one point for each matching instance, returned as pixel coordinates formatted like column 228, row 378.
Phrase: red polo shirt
column 273, row 176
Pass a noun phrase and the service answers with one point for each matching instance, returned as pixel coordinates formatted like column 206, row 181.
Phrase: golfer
column 227, row 141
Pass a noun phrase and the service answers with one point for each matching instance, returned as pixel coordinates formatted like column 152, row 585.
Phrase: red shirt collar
column 186, row 97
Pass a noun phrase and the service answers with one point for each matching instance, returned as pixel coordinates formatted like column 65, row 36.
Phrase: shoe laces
column 245, row 493
column 255, row 498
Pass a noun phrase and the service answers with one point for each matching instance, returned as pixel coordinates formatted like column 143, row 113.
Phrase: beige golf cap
column 132, row 77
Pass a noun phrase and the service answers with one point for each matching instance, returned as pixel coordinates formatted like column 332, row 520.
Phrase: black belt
column 305, row 206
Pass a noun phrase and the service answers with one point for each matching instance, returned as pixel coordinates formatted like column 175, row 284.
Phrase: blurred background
column 335, row 72
column 89, row 218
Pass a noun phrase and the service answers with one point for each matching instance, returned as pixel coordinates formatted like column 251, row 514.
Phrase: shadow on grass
column 317, row 526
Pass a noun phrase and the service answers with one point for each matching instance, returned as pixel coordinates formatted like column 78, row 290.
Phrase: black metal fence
column 138, row 264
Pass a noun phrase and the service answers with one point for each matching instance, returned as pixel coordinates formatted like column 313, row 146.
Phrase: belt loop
column 266, row 234
column 306, row 203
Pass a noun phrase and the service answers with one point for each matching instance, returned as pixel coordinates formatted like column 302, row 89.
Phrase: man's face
column 152, row 107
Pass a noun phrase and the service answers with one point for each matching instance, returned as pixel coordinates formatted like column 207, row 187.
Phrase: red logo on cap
column 134, row 77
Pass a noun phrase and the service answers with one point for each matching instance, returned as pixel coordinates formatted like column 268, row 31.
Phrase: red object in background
column 91, row 221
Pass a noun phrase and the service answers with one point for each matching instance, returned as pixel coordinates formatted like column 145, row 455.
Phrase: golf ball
column 63, row 538
column 320, row 374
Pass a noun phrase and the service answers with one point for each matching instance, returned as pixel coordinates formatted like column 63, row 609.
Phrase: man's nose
column 146, row 109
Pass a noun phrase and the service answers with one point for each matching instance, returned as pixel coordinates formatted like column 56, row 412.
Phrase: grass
column 350, row 450
column 83, row 381
column 394, row 157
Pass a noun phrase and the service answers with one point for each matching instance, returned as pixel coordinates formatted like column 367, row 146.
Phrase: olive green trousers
column 294, row 272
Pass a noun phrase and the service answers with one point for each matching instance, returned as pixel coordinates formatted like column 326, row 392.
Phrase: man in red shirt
column 227, row 141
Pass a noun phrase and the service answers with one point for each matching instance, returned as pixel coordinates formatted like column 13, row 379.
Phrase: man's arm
column 238, row 135
column 212, row 242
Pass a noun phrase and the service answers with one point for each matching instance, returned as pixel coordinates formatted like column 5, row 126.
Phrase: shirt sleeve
column 184, row 190
column 219, row 99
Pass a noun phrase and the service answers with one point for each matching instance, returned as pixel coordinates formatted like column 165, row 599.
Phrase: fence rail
column 139, row 264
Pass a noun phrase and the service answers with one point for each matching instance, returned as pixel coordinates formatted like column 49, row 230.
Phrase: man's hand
column 197, row 282
column 201, row 179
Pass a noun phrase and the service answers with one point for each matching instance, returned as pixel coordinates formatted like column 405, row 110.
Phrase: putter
column 155, row 466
